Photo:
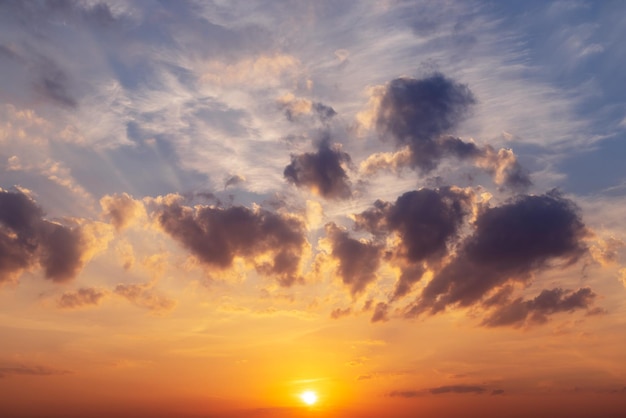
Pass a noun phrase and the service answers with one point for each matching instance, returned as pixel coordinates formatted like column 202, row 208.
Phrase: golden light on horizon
column 309, row 397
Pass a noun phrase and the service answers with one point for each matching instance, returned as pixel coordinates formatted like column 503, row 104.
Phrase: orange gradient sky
column 408, row 208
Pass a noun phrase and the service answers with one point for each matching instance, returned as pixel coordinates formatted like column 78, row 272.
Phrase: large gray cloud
column 417, row 112
column 26, row 239
column 421, row 114
column 217, row 235
column 426, row 221
column 509, row 243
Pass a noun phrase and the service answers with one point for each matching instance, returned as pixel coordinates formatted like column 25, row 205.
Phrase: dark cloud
column 61, row 251
column 416, row 113
column 81, row 298
column 15, row 256
column 536, row 310
column 496, row 392
column 358, row 260
column 8, row 370
column 217, row 235
column 321, row 171
column 26, row 239
column 420, row 115
column 440, row 390
column 509, row 243
column 19, row 212
column 426, row 221
column 457, row 389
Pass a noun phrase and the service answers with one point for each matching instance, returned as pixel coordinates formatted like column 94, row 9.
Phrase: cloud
column 217, row 235
column 144, row 296
column 417, row 112
column 322, row 171
column 380, row 313
column 457, row 389
column 324, row 112
column 81, row 298
column 440, row 390
column 509, row 243
column 536, row 310
column 389, row 161
column 419, row 115
column 7, row 370
column 295, row 108
column 425, row 220
column 122, row 209
column 605, row 251
column 340, row 313
column 504, row 167
column 39, row 72
column 26, row 239
column 255, row 73
column 234, row 180
column 61, row 251
column 70, row 10
column 358, row 260
column 54, row 84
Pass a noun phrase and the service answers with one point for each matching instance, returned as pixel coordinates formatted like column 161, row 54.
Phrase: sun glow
column 309, row 397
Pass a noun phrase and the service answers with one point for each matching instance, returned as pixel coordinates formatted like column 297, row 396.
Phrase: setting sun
column 309, row 397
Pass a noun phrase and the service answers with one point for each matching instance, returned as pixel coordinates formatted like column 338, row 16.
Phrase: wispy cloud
column 9, row 370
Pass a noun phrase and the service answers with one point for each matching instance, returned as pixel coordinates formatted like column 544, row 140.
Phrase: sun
column 309, row 397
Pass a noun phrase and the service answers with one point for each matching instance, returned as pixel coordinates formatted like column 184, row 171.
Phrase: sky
column 409, row 208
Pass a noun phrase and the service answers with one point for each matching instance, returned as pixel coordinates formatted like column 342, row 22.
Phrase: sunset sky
column 405, row 208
